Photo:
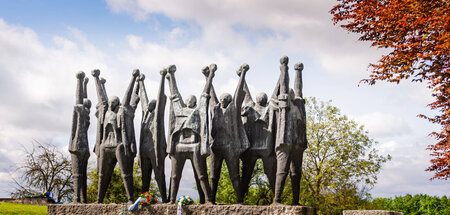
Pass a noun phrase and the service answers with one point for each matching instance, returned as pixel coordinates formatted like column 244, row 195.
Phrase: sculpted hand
column 163, row 72
column 172, row 69
column 80, row 75
column 298, row 66
column 284, row 60
column 102, row 80
column 245, row 67
column 95, row 72
column 141, row 77
column 136, row 73
column 205, row 71
column 213, row 67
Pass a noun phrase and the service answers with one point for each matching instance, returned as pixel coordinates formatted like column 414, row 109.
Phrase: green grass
column 12, row 208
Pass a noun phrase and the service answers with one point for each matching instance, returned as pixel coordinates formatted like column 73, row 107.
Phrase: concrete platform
column 169, row 209
column 371, row 212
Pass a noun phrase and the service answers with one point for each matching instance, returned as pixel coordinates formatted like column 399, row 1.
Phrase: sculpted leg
column 248, row 164
column 270, row 168
column 282, row 171
column 233, row 169
column 216, row 166
column 178, row 161
column 126, row 170
column 201, row 171
column 83, row 176
column 146, row 169
column 107, row 164
column 76, row 177
column 160, row 178
column 201, row 194
column 296, row 175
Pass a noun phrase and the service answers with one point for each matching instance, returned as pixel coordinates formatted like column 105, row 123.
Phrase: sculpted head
column 261, row 99
column 114, row 103
column 191, row 101
column 291, row 94
column 225, row 99
column 87, row 103
column 151, row 105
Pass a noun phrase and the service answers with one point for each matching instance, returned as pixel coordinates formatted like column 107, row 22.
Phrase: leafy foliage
column 45, row 168
column 417, row 35
column 340, row 164
column 417, row 204
column 116, row 189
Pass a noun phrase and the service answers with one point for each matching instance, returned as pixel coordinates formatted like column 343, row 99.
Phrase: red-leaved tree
column 417, row 34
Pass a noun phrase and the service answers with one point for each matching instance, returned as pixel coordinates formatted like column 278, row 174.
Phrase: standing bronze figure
column 228, row 137
column 152, row 148
column 259, row 123
column 79, row 146
column 291, row 131
column 118, row 142
column 188, row 134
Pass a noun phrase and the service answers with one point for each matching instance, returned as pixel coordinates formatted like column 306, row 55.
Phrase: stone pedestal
column 371, row 212
column 186, row 210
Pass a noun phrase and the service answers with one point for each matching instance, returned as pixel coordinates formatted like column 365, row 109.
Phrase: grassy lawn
column 12, row 208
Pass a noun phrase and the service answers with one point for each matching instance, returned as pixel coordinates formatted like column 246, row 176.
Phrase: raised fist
column 245, row 67
column 213, row 67
column 172, row 69
column 284, row 60
column 298, row 66
column 205, row 71
column 80, row 75
column 136, row 73
column 86, row 80
column 102, row 80
column 239, row 71
column 95, row 72
column 163, row 72
column 141, row 77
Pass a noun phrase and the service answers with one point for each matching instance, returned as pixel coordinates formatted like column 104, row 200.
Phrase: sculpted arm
column 213, row 101
column 80, row 88
column 208, row 86
column 135, row 96
column 143, row 93
column 239, row 93
column 177, row 101
column 127, row 98
column 100, row 86
column 298, row 84
column 248, row 100
column 161, row 98
column 85, row 82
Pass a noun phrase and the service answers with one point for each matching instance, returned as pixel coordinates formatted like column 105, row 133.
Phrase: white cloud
column 383, row 124
column 246, row 28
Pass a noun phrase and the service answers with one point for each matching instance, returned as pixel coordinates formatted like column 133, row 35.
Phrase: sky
column 44, row 43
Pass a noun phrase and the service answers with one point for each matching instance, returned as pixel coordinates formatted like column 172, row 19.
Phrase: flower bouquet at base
column 148, row 198
column 185, row 200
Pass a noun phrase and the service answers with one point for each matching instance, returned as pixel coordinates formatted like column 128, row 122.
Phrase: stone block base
column 186, row 210
column 371, row 212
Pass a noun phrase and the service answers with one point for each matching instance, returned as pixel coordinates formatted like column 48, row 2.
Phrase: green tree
column 417, row 204
column 340, row 164
column 44, row 168
column 116, row 190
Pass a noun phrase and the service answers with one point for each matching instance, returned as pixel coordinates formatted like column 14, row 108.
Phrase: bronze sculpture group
column 231, row 128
